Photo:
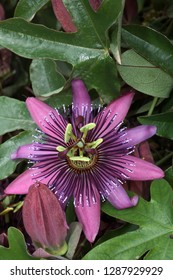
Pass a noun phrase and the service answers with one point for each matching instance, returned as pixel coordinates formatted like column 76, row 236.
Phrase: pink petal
column 89, row 216
column 21, row 184
column 32, row 150
column 81, row 99
column 139, row 169
column 23, row 152
column 111, row 117
column 118, row 197
column 47, row 119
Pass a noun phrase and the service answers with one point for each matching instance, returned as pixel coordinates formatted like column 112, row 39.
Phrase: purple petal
column 112, row 190
column 133, row 168
column 88, row 213
column 81, row 99
column 138, row 134
column 112, row 116
column 118, row 196
column 47, row 119
column 123, row 142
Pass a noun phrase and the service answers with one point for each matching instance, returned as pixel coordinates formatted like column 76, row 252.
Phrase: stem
column 164, row 159
column 115, row 45
column 155, row 99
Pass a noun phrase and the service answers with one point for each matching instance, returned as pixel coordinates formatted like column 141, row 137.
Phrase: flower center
column 82, row 165
column 80, row 154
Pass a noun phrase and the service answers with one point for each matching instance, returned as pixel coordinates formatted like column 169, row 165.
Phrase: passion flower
column 82, row 152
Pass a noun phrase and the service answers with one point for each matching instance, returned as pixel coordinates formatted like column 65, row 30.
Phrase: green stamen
column 84, row 129
column 87, row 127
column 60, row 149
column 95, row 144
column 68, row 133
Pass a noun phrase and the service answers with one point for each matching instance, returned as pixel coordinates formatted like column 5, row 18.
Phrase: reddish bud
column 44, row 219
column 63, row 16
column 95, row 4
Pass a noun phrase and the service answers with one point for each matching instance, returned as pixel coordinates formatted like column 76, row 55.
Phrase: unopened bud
column 44, row 219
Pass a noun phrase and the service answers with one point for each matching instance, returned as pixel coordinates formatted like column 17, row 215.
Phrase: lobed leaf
column 87, row 50
column 17, row 247
column 155, row 221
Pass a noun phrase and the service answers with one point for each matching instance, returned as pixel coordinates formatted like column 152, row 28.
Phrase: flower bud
column 44, row 219
column 63, row 16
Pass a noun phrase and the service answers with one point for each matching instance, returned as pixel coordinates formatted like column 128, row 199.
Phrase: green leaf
column 101, row 67
column 144, row 76
column 116, row 232
column 73, row 237
column 57, row 101
column 17, row 247
column 7, row 166
column 168, row 104
column 152, row 45
column 27, row 9
column 169, row 175
column 139, row 109
column 91, row 25
column 14, row 115
column 164, row 123
column 87, row 49
column 37, row 41
column 45, row 78
column 155, row 221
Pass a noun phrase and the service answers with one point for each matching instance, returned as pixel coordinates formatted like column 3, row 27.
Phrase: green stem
column 155, row 99
column 164, row 159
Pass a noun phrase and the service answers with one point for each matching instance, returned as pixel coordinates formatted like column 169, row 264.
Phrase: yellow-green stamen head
column 60, row 149
column 84, row 129
column 68, row 133
column 81, row 154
